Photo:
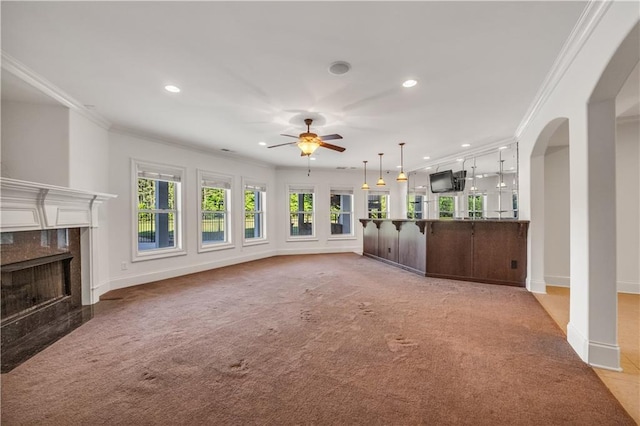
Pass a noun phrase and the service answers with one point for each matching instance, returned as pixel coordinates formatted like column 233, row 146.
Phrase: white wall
column 556, row 214
column 323, row 181
column 628, row 206
column 35, row 143
column 88, row 154
column 122, row 148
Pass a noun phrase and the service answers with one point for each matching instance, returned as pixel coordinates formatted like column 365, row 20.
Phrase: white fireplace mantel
column 30, row 206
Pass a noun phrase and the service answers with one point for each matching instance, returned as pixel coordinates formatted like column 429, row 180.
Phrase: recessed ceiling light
column 466, row 145
column 409, row 83
column 459, row 159
column 426, row 158
column 312, row 158
column 262, row 143
column 398, row 167
column 428, row 168
column 172, row 89
column 503, row 147
column 512, row 168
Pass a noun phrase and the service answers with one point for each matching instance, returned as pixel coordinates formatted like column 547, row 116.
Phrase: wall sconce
column 380, row 180
column 365, row 185
column 401, row 177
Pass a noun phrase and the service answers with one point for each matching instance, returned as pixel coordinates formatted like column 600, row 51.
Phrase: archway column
column 592, row 328
column 535, row 279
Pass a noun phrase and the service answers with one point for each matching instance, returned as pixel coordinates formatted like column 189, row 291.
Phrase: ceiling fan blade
column 291, row 136
column 282, row 144
column 333, row 147
column 330, row 137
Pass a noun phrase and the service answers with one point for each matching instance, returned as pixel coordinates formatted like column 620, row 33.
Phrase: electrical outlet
column 124, row 266
column 389, row 249
column 514, row 264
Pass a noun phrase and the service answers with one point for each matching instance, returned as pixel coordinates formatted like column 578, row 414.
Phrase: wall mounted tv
column 442, row 181
column 448, row 181
column 459, row 178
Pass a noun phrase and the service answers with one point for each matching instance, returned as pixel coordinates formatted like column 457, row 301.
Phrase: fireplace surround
column 48, row 246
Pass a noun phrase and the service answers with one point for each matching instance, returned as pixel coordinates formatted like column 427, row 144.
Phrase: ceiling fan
column 308, row 142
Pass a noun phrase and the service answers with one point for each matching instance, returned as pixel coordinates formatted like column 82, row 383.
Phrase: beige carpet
column 322, row 339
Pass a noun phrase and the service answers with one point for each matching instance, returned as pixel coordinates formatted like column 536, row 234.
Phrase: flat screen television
column 442, row 181
column 459, row 178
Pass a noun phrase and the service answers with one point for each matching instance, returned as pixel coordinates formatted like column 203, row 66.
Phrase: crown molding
column 484, row 149
column 587, row 22
column 628, row 119
column 151, row 137
column 13, row 66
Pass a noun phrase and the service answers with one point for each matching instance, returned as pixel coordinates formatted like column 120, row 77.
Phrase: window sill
column 296, row 239
column 215, row 247
column 340, row 237
column 157, row 254
column 256, row 242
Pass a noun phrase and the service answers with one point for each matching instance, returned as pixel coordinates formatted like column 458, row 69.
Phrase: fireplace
column 49, row 244
column 41, row 291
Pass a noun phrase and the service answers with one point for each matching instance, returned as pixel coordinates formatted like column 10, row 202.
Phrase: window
column 445, row 207
column 415, row 207
column 378, row 205
column 301, row 212
column 254, row 212
column 475, row 205
column 215, row 218
column 341, row 206
column 158, row 211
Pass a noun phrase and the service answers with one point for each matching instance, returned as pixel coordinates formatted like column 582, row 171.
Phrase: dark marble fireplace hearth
column 41, row 291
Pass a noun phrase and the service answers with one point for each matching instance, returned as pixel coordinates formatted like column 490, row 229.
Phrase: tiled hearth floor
column 625, row 385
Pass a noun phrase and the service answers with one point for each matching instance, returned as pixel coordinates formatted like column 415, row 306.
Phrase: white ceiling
column 252, row 70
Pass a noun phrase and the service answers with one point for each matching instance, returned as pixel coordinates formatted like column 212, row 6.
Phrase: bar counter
column 487, row 251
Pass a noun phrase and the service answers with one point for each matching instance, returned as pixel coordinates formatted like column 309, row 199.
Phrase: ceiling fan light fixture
column 402, row 177
column 308, row 145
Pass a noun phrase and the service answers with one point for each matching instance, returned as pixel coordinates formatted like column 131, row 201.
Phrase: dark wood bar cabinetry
column 485, row 251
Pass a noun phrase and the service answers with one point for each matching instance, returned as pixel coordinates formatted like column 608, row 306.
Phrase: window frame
column 422, row 204
column 261, row 188
column 297, row 189
column 388, row 203
column 334, row 190
column 224, row 182
column 453, row 207
column 139, row 167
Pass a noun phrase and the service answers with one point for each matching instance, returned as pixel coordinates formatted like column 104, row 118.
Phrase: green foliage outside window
column 446, row 209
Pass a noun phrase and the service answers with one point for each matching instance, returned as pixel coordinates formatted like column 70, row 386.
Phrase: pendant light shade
column 380, row 180
column 401, row 176
column 365, row 185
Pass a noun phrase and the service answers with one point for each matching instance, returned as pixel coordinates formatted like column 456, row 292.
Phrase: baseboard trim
column 177, row 272
column 578, row 342
column 558, row 280
column 315, row 250
column 561, row 281
column 604, row 355
column 537, row 286
column 628, row 287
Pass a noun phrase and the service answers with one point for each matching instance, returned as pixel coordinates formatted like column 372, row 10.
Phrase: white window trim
column 293, row 238
column 247, row 242
column 180, row 237
column 207, row 247
column 352, row 235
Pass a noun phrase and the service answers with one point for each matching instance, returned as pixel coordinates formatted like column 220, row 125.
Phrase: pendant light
column 401, row 177
column 365, row 185
column 380, row 180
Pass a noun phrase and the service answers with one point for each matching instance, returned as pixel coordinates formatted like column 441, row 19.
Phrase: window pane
column 146, row 194
column 250, row 200
column 301, row 224
column 445, row 207
column 214, row 199
column 341, row 224
column 156, row 230
column 213, row 227
column 253, row 225
column 475, row 205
